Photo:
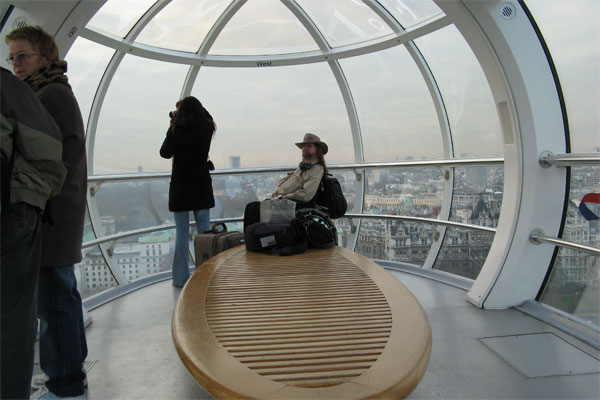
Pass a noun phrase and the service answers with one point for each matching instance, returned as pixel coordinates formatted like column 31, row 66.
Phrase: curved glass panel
column 92, row 273
column 476, row 200
column 139, row 256
column 87, row 62
column 575, row 279
column 405, row 242
column 415, row 192
column 471, row 110
column 464, row 252
column 348, row 183
column 263, row 27
column 411, row 12
column 126, row 206
column 135, row 116
column 573, row 285
column 118, row 17
column 266, row 110
column 344, row 22
column 182, row 24
column 576, row 55
column 134, row 257
column 477, row 195
column 396, row 113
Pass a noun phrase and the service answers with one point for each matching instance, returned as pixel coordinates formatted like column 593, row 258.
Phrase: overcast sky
column 261, row 112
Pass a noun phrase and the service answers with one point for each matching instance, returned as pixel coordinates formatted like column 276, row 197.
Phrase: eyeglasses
column 20, row 57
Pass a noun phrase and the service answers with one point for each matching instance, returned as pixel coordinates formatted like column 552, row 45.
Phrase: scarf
column 54, row 72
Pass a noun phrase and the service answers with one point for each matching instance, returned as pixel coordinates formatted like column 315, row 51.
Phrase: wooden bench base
column 323, row 324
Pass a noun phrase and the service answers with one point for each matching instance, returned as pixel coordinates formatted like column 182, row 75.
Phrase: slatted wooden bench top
column 322, row 324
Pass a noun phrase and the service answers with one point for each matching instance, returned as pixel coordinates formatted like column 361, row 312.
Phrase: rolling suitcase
column 213, row 242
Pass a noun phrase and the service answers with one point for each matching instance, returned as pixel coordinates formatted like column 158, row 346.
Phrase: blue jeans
column 63, row 346
column 20, row 265
column 181, row 260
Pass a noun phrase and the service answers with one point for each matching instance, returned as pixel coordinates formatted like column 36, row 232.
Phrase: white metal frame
column 522, row 86
column 179, row 57
column 528, row 105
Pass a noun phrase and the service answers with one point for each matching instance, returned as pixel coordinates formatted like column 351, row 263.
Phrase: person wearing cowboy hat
column 302, row 184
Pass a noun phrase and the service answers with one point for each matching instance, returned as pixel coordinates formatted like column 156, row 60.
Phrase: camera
column 172, row 114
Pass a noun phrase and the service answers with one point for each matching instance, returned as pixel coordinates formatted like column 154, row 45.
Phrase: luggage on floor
column 213, row 242
column 274, row 238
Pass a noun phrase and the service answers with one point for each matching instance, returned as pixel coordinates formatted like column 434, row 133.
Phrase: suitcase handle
column 218, row 228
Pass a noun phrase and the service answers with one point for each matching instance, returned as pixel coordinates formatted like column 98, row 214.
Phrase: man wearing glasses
column 33, row 54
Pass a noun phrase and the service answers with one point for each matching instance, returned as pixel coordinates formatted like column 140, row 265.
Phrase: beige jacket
column 300, row 185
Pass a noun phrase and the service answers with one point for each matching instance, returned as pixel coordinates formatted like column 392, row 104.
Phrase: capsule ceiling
column 358, row 74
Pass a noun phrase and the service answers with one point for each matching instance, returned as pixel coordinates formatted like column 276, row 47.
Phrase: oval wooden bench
column 323, row 324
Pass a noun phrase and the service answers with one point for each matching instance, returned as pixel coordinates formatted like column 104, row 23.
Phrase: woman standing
column 188, row 142
column 34, row 57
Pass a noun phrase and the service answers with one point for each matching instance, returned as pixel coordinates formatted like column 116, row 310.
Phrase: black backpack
column 330, row 195
column 316, row 226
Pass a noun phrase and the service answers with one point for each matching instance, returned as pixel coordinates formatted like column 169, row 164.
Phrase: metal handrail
column 157, row 228
column 431, row 221
column 150, row 229
column 454, row 162
column 537, row 237
column 547, row 159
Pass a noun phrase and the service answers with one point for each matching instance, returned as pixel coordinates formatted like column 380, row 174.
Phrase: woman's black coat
column 191, row 184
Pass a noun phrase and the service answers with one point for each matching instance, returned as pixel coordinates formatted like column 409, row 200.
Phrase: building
column 235, row 162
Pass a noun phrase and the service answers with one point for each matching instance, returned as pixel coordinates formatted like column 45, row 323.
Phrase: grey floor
column 476, row 354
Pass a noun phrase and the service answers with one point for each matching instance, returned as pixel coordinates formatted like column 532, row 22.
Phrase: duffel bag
column 274, row 238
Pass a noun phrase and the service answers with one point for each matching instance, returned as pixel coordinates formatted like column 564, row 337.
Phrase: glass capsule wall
column 389, row 81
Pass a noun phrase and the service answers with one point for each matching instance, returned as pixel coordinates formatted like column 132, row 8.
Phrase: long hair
column 321, row 159
column 191, row 113
column 39, row 39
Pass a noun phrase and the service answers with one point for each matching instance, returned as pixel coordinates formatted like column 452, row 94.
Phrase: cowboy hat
column 310, row 138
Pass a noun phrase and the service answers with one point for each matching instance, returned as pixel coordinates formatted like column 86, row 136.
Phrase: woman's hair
column 190, row 113
column 42, row 42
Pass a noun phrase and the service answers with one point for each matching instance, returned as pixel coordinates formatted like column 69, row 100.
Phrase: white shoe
column 38, row 381
column 45, row 394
